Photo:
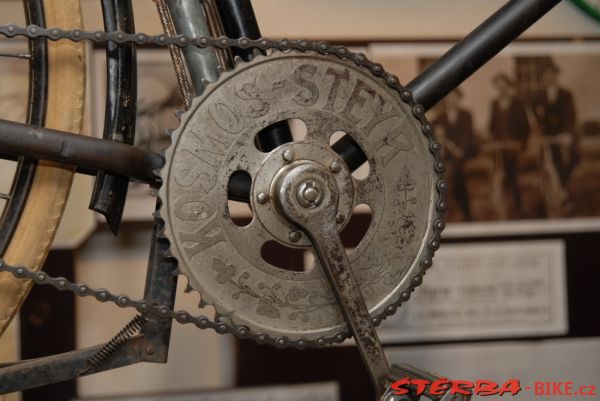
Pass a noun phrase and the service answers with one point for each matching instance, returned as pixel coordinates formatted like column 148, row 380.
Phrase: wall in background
column 361, row 20
column 380, row 19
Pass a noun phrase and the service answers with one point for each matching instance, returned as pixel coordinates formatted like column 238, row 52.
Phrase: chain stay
column 148, row 308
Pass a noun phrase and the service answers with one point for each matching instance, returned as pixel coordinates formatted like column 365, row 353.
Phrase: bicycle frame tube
column 188, row 18
column 81, row 151
column 468, row 55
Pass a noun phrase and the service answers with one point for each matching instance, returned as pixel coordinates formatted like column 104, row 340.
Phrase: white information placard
column 486, row 290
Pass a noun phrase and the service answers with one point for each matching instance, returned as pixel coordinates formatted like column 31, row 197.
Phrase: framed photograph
column 521, row 137
column 158, row 101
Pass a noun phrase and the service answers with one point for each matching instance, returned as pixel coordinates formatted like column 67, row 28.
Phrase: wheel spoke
column 25, row 56
column 5, row 196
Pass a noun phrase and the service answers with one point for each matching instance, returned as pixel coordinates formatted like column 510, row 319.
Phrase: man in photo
column 454, row 125
column 509, row 128
column 555, row 111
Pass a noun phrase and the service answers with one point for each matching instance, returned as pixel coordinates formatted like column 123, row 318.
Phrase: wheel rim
column 51, row 184
column 36, row 115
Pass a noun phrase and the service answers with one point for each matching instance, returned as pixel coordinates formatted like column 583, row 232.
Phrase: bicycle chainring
column 331, row 89
column 217, row 139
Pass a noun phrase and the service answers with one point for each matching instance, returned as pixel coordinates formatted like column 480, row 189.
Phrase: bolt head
column 262, row 198
column 335, row 167
column 311, row 194
column 340, row 218
column 288, row 156
column 295, row 236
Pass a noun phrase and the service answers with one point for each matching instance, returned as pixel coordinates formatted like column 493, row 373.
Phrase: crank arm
column 314, row 208
column 332, row 255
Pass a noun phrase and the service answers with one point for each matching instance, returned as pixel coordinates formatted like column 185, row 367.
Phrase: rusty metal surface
column 56, row 368
column 216, row 138
column 156, row 317
column 307, row 194
column 110, row 190
column 82, row 151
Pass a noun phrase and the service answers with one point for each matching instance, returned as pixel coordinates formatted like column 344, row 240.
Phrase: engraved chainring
column 216, row 139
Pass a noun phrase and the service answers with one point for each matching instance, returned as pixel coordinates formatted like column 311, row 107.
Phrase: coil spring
column 135, row 326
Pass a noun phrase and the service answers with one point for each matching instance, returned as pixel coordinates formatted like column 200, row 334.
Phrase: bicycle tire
column 36, row 115
column 51, row 184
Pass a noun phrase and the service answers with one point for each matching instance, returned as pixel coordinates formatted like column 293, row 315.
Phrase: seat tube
column 189, row 19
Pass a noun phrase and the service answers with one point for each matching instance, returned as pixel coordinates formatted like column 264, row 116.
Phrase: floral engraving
column 402, row 231
column 299, row 302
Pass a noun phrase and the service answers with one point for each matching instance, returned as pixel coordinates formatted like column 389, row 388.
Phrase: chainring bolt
column 262, row 198
column 288, row 156
column 295, row 236
column 311, row 194
column 340, row 218
column 335, row 167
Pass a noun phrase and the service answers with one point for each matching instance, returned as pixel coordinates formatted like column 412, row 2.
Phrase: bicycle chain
column 223, row 42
